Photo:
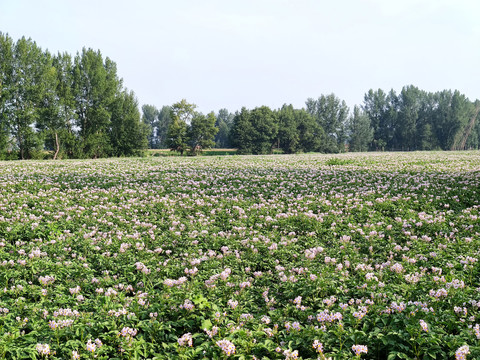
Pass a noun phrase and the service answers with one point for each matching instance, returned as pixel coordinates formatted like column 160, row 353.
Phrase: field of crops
column 371, row 256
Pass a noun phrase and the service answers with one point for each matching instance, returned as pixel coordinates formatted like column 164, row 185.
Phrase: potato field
column 350, row 256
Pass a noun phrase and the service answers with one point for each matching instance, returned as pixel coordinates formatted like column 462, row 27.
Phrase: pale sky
column 233, row 53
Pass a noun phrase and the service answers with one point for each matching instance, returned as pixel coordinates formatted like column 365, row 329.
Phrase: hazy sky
column 233, row 53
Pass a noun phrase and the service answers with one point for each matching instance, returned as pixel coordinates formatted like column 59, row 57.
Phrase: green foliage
column 183, row 111
column 95, row 85
column 201, row 133
column 23, row 86
column 265, row 128
column 337, row 161
column 6, row 60
column 375, row 107
column 224, row 124
column 177, row 135
column 150, row 119
column 157, row 123
column 128, row 134
column 255, row 131
column 360, row 130
column 331, row 114
column 190, row 130
column 78, row 108
column 406, row 126
column 450, row 123
column 298, row 131
column 241, row 134
column 164, row 120
column 69, row 108
column 417, row 120
column 96, row 145
column 288, row 135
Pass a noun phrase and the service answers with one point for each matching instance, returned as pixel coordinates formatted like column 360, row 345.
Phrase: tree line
column 410, row 120
column 77, row 107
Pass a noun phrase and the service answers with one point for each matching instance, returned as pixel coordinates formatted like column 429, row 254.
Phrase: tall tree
column 389, row 123
column 201, row 133
column 150, row 119
column 224, row 124
column 426, row 139
column 27, row 89
column 311, row 134
column 265, row 128
column 164, row 119
column 331, row 114
column 375, row 107
column 361, row 132
column 410, row 100
column 128, row 134
column 184, row 111
column 288, row 134
column 451, row 115
column 298, row 131
column 49, row 121
column 177, row 135
column 241, row 134
column 472, row 132
column 68, row 140
column 464, row 113
column 6, row 89
column 48, row 102
column 95, row 85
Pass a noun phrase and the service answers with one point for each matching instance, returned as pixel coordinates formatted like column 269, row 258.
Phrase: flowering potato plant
column 371, row 256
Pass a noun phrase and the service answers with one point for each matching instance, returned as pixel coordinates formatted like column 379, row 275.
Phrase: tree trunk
column 57, row 146
column 20, row 145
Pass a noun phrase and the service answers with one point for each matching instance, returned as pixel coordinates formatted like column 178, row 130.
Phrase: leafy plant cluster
column 371, row 256
column 73, row 107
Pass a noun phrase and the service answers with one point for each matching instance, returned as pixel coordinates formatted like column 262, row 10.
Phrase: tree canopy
column 77, row 107
column 190, row 130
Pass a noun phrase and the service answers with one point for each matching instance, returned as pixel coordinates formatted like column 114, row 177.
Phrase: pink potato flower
column 359, row 349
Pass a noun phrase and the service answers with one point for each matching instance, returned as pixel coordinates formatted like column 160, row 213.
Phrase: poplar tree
column 25, row 77
column 95, row 85
column 66, row 140
column 164, row 119
column 150, row 119
column 6, row 61
column 331, row 114
column 224, row 123
column 128, row 134
column 360, row 129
